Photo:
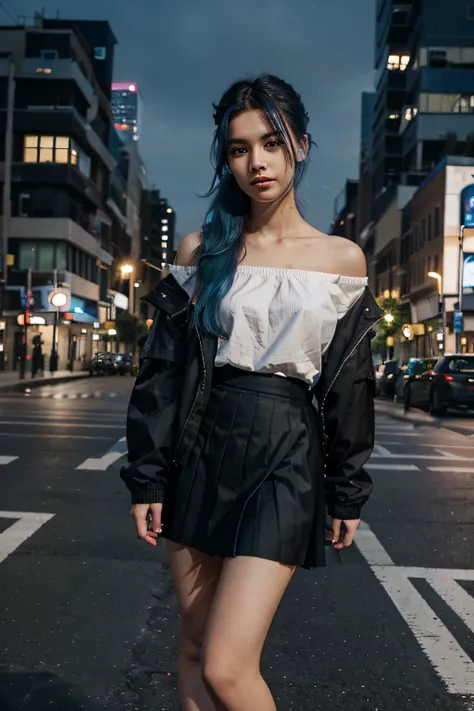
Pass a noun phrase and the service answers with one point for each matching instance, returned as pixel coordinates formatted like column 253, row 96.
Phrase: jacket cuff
column 148, row 496
column 343, row 512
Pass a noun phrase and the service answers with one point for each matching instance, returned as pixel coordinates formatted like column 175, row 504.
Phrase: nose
column 257, row 162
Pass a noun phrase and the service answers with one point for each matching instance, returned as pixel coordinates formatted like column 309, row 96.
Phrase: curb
column 23, row 385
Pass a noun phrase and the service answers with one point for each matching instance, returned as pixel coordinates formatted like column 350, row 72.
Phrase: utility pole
column 6, row 206
column 53, row 361
column 26, row 318
column 459, row 326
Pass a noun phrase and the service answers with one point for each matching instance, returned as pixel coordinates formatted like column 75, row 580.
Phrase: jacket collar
column 169, row 296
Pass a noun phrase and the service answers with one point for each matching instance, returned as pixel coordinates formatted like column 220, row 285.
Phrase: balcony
column 59, row 174
column 56, row 69
column 58, row 228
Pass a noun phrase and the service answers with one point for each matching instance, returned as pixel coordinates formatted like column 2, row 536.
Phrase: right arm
column 152, row 412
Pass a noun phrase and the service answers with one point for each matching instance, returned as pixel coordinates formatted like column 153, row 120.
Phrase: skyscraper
column 126, row 109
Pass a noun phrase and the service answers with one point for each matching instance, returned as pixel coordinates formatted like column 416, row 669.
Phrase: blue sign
column 467, row 206
column 458, row 321
column 468, row 271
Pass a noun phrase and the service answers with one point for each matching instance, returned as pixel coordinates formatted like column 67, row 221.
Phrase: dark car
column 125, row 365
column 102, row 364
column 388, row 374
column 409, row 372
column 449, row 384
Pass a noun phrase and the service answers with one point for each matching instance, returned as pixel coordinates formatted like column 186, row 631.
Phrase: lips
column 260, row 180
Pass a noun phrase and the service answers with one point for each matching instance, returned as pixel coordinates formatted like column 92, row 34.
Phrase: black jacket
column 173, row 385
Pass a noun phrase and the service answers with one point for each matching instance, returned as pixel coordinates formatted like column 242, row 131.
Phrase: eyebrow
column 262, row 138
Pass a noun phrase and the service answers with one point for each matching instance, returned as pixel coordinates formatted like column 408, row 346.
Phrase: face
column 257, row 158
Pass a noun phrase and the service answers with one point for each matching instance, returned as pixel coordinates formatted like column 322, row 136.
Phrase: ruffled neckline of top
column 282, row 272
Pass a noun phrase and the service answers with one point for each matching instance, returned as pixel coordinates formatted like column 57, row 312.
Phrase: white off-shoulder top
column 280, row 321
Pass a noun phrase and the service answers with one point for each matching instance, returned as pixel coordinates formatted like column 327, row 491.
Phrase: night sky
column 184, row 53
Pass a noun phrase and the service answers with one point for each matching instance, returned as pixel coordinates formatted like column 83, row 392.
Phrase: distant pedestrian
column 252, row 415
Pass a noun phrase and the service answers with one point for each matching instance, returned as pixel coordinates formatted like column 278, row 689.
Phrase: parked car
column 409, row 371
column 386, row 377
column 102, row 364
column 449, row 384
column 125, row 364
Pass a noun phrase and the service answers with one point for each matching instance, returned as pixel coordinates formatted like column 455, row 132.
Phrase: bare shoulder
column 186, row 253
column 345, row 256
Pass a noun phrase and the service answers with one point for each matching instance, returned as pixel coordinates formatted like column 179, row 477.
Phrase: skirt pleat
column 253, row 483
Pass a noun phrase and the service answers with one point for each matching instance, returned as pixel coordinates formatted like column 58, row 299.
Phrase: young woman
column 252, row 416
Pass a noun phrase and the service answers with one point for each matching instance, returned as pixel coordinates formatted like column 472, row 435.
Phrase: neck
column 277, row 219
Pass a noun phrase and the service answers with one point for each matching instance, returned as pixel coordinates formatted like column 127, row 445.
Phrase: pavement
column 88, row 616
column 10, row 380
column 455, row 420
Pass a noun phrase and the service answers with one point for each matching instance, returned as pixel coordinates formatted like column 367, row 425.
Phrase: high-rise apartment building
column 126, row 108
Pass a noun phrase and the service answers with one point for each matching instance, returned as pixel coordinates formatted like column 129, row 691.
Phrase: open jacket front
column 172, row 389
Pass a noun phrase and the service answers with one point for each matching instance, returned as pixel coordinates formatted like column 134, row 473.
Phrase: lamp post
column 126, row 271
column 58, row 298
column 389, row 340
column 435, row 275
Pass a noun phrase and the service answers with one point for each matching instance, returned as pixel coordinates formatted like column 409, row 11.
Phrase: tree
column 128, row 330
column 387, row 328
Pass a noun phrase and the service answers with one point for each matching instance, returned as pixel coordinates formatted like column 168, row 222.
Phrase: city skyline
column 175, row 55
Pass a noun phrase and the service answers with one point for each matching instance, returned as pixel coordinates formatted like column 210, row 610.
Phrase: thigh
column 247, row 597
column 195, row 577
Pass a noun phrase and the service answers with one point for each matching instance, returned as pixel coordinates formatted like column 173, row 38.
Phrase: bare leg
column 248, row 595
column 195, row 577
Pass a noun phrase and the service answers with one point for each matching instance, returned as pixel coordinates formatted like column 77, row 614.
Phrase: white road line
column 101, row 463
column 77, row 425
column 6, row 460
column 414, row 456
column 17, row 533
column 41, row 435
column 448, row 454
column 446, row 655
column 452, row 470
column 448, row 446
column 379, row 449
column 394, row 467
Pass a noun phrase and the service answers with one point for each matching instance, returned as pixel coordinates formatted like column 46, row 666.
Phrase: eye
column 273, row 144
column 237, row 151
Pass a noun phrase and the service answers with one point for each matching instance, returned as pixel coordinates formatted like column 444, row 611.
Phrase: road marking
column 41, row 435
column 453, row 470
column 394, row 467
column 61, row 424
column 101, row 464
column 399, row 434
column 382, row 451
column 446, row 655
column 17, row 533
column 414, row 456
column 6, row 460
column 448, row 454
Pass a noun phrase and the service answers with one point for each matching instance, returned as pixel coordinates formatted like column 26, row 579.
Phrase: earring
column 300, row 154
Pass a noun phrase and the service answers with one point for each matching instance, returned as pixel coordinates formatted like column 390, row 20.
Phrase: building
column 55, row 76
column 364, row 209
column 126, row 108
column 345, row 207
column 392, row 57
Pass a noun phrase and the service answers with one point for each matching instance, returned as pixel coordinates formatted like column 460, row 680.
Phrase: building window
column 100, row 53
column 437, row 222
column 49, row 54
column 24, row 206
column 395, row 61
column 437, row 58
column 429, row 227
column 50, row 149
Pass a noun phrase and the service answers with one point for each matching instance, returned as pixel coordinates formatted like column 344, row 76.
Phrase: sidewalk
column 460, row 425
column 10, row 380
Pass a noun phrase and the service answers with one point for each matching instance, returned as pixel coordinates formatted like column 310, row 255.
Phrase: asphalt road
column 88, row 616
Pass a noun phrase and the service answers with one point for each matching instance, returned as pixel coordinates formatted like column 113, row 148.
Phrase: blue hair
column 222, row 232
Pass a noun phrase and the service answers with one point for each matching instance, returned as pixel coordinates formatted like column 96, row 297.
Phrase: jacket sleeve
column 152, row 412
column 349, row 427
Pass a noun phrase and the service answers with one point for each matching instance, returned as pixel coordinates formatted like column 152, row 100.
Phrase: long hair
column 222, row 232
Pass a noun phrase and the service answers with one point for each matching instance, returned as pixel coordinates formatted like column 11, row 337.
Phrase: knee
column 221, row 674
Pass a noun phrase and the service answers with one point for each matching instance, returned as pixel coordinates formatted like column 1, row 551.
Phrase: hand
column 142, row 515
column 350, row 528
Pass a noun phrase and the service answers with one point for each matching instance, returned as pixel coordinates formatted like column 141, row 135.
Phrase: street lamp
column 126, row 270
column 435, row 275
column 389, row 342
column 58, row 299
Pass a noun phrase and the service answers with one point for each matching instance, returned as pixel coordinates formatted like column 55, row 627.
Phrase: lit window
column 393, row 62
column 164, row 237
column 164, row 228
column 394, row 116
column 164, row 222
column 164, row 245
column 49, row 149
column 100, row 53
column 163, row 255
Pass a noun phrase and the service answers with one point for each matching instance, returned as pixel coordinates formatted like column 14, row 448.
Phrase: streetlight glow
column 59, row 299
column 388, row 318
column 126, row 269
column 437, row 276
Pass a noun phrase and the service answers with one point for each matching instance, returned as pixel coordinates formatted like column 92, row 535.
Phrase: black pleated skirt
column 253, row 484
